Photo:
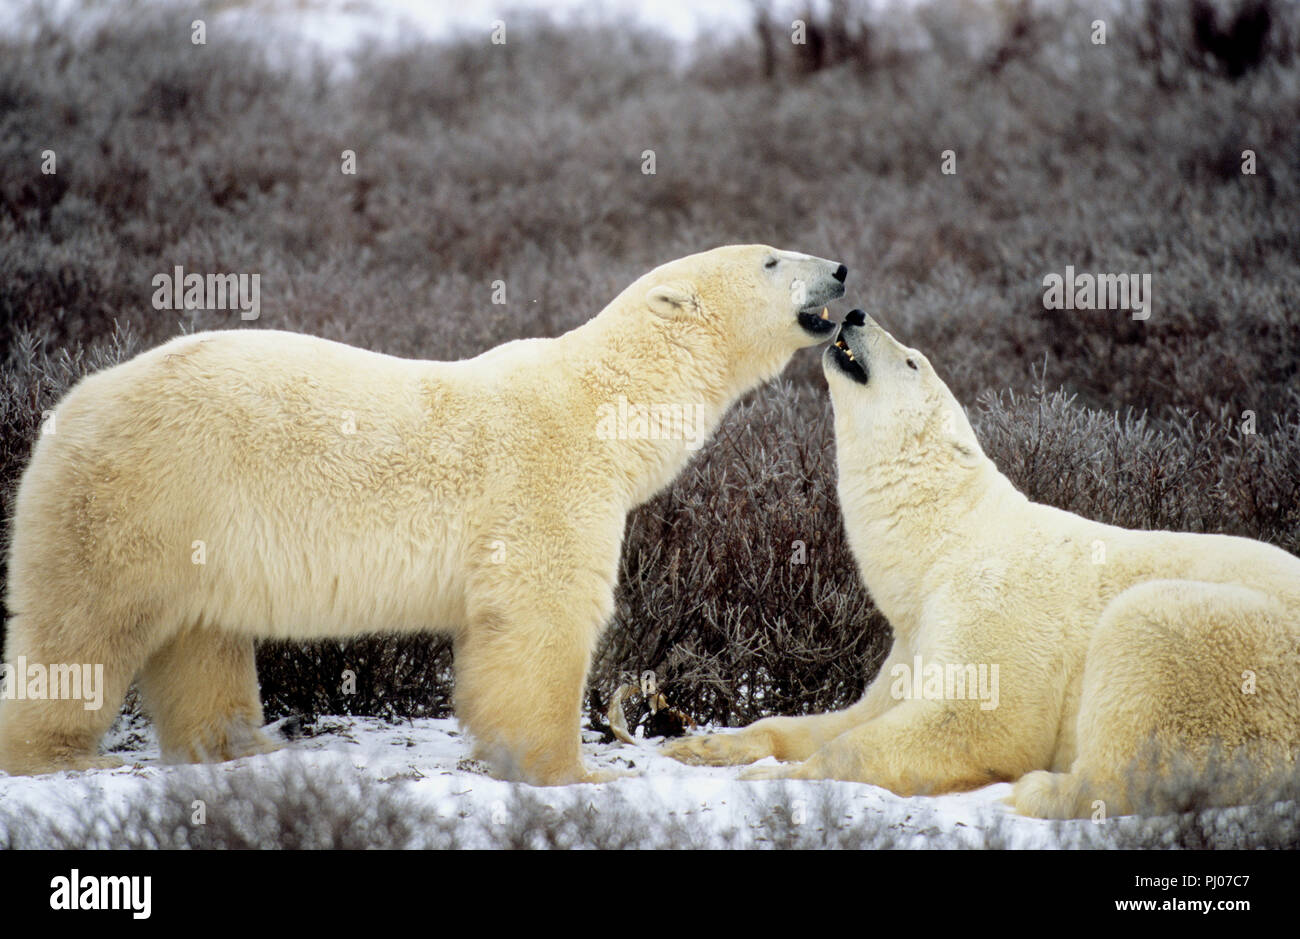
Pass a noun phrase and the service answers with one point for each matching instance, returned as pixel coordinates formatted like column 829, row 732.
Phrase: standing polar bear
column 1098, row 667
column 233, row 485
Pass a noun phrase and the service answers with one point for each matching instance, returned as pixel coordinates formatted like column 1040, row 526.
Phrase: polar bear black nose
column 841, row 272
column 856, row 318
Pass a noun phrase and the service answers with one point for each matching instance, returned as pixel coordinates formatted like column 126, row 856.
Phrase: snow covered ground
column 339, row 25
column 336, row 28
column 306, row 34
column 427, row 761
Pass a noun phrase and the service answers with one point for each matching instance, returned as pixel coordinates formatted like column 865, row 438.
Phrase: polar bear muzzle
column 848, row 352
column 827, row 285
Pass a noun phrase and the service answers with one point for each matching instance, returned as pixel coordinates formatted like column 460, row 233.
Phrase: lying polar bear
column 1093, row 665
column 250, row 483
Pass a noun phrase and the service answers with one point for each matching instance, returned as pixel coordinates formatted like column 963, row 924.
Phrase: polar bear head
column 758, row 304
column 891, row 406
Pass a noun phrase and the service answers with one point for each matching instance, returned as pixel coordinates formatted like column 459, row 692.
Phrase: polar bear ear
column 673, row 300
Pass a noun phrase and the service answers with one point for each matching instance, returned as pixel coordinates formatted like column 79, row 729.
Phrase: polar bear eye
column 911, row 365
column 770, row 263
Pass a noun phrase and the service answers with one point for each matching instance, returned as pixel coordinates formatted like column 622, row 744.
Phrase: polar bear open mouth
column 819, row 323
column 845, row 360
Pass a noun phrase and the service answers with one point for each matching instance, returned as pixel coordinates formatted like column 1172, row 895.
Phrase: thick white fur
column 1131, row 662
column 338, row 491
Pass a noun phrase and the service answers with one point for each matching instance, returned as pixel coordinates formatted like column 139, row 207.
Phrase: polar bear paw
column 1042, row 794
column 772, row 771
column 719, row 749
column 91, row 763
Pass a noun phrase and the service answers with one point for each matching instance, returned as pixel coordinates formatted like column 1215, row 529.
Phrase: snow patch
column 428, row 758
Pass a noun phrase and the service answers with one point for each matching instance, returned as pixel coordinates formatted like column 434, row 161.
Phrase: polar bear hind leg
column 1189, row 700
column 49, row 734
column 201, row 690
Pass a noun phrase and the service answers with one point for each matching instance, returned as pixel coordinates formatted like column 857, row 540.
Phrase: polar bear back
column 258, row 462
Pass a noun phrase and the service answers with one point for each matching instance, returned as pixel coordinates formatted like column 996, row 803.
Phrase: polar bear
column 251, row 483
column 1099, row 668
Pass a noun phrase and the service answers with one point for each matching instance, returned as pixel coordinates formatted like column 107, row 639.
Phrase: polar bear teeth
column 844, row 346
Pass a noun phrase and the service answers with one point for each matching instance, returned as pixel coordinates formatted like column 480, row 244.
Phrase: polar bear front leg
column 917, row 748
column 788, row 738
column 519, row 683
column 755, row 742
